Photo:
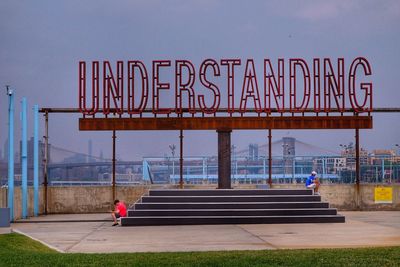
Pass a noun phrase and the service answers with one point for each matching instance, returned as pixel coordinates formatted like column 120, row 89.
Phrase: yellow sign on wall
column 383, row 194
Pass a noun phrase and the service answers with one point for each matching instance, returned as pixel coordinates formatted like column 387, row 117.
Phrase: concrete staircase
column 230, row 206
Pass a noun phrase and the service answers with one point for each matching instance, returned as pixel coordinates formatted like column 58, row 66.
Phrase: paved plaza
column 93, row 233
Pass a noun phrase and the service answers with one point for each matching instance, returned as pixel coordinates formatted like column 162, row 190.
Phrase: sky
column 41, row 43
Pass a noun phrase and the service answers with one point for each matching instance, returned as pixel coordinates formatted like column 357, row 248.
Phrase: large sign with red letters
column 226, row 93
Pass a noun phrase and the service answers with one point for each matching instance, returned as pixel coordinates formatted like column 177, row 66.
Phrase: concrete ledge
column 95, row 199
column 5, row 230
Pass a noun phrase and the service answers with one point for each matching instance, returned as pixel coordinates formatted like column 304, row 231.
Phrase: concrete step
column 227, row 192
column 232, row 205
column 200, row 220
column 239, row 198
column 231, row 212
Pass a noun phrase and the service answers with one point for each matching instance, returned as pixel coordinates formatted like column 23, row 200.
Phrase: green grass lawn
column 18, row 250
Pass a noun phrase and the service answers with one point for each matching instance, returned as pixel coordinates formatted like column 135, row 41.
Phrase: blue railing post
column 36, row 160
column 24, row 161
column 11, row 152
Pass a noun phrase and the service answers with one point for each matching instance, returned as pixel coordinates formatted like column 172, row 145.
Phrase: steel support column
column 10, row 190
column 224, row 159
column 181, row 159
column 270, row 158
column 46, row 158
column 113, row 166
column 357, row 136
column 357, row 157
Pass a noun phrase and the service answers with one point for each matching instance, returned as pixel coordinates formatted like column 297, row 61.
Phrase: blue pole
column 11, row 152
column 36, row 161
column 24, row 161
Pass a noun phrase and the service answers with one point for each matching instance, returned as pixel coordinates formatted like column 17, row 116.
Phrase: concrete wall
column 367, row 198
column 87, row 199
column 84, row 199
column 73, row 199
column 345, row 197
column 3, row 197
column 18, row 201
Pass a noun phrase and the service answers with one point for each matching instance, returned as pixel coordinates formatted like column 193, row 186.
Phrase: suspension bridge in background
column 292, row 162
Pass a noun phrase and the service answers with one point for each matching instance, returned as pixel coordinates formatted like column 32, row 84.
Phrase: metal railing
column 200, row 170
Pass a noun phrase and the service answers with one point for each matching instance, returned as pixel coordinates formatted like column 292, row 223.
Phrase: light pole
column 292, row 162
column 233, row 147
column 396, row 165
column 285, row 152
column 173, row 147
column 10, row 94
column 345, row 148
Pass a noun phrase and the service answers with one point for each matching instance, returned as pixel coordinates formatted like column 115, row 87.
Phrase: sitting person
column 312, row 182
column 119, row 211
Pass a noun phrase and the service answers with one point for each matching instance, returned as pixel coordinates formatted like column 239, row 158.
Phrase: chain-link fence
column 204, row 170
column 284, row 169
column 246, row 170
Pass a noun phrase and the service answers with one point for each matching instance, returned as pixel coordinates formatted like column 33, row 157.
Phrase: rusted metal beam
column 113, row 165
column 46, row 159
column 357, row 137
column 224, row 159
column 270, row 158
column 181, row 159
column 226, row 123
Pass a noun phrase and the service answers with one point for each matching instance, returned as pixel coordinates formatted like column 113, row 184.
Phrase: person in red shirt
column 119, row 211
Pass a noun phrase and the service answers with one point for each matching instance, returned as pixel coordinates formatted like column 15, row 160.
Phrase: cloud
column 325, row 9
column 393, row 8
column 335, row 9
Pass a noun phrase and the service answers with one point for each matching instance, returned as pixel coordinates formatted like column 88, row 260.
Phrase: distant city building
column 289, row 146
column 384, row 153
column 388, row 155
column 339, row 164
column 349, row 153
column 329, row 165
column 289, row 152
column 31, row 150
column 253, row 151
